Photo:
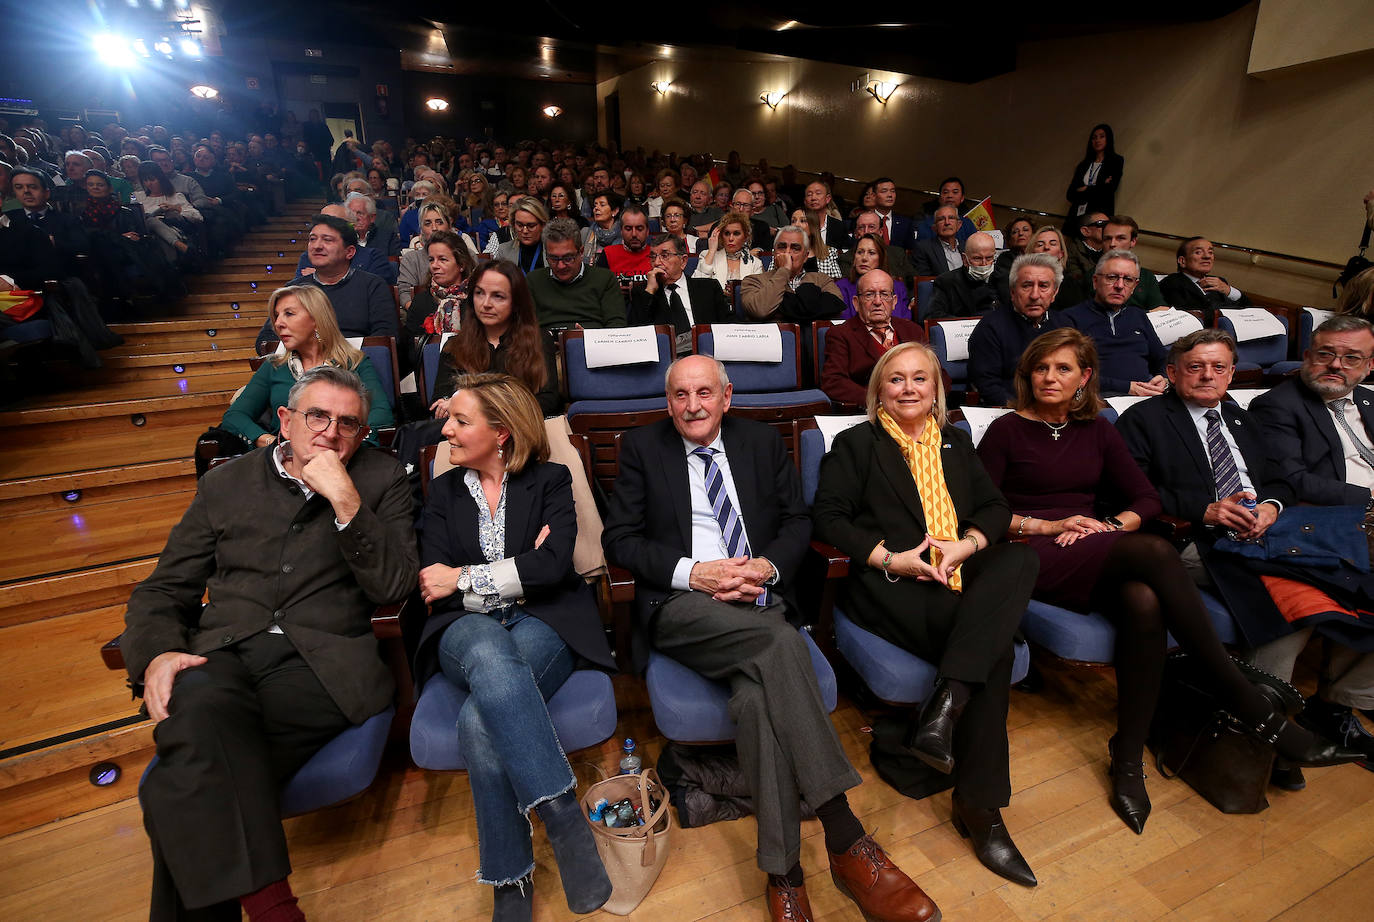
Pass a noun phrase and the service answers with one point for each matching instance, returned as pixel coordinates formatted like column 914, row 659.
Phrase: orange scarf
column 922, row 456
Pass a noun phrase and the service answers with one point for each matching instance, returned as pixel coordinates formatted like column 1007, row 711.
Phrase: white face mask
column 981, row 273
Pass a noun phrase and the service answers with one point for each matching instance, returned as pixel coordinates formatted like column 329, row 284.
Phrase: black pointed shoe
column 1338, row 723
column 992, row 842
column 1129, row 798
column 931, row 738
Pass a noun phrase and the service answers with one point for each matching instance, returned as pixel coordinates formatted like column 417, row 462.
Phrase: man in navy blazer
column 1131, row 355
column 1318, row 427
column 943, row 252
column 708, row 515
column 901, row 231
column 951, row 194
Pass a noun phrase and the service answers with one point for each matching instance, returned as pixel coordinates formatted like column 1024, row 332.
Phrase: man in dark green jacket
column 296, row 543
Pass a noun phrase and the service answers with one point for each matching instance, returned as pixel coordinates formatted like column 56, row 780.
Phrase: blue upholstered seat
column 958, row 371
column 893, row 674
column 36, row 330
column 766, row 384
column 924, row 292
column 343, row 768
column 619, row 388
column 1265, row 352
column 691, row 708
column 429, row 369
column 1091, row 638
column 381, row 358
column 583, row 713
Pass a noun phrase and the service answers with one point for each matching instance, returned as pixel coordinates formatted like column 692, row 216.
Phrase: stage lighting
column 190, row 47
column 202, row 91
column 163, row 46
column 553, row 111
column 436, row 104
column 111, row 49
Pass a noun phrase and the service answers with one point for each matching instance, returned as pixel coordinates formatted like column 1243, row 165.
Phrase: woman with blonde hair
column 1072, row 290
column 303, row 319
column 509, row 620
column 907, row 499
column 1357, row 297
column 727, row 255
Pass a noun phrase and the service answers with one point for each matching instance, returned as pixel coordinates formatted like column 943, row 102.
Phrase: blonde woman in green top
column 304, row 320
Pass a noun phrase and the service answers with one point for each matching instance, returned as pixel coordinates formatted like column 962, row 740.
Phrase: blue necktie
column 1223, row 463
column 731, row 525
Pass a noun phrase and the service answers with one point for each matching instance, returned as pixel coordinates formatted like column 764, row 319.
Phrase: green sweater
column 594, row 300
column 267, row 390
column 1147, row 295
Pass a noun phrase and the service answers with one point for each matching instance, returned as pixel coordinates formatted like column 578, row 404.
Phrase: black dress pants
column 238, row 727
column 969, row 635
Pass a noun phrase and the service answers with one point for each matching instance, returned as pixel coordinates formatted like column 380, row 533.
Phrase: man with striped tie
column 707, row 513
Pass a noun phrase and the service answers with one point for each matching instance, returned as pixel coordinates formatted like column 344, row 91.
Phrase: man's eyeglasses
column 871, row 296
column 318, row 421
column 1348, row 360
column 562, row 260
column 1113, row 278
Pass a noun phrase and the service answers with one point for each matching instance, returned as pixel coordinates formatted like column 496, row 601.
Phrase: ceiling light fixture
column 771, row 98
column 202, row 91
column 882, row 90
column 553, row 111
column 436, row 104
column 661, row 86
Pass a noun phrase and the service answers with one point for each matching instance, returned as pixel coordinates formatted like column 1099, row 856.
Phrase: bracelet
column 887, row 559
column 976, row 546
column 1021, row 529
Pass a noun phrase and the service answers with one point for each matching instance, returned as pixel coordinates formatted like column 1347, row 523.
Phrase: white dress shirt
column 1199, row 415
column 1233, row 295
column 707, row 541
column 1357, row 469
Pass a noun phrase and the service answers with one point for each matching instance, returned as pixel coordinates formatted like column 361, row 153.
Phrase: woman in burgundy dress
column 1059, row 463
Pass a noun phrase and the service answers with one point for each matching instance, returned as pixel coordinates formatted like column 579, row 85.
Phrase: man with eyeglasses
column 762, row 237
column 1129, row 351
column 667, row 296
column 967, row 291
column 568, row 293
column 854, row 347
column 787, row 291
column 1194, row 287
column 1317, row 427
column 300, row 541
column 898, row 262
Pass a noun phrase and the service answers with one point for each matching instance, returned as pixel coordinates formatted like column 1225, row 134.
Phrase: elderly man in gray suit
column 296, row 542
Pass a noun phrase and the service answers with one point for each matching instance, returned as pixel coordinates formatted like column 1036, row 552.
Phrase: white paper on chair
column 1253, row 323
column 747, row 342
column 997, row 240
column 1122, row 403
column 620, row 346
column 443, row 340
column 832, row 426
column 355, row 341
column 957, row 334
column 1318, row 315
column 979, row 418
column 1244, row 395
column 1173, row 324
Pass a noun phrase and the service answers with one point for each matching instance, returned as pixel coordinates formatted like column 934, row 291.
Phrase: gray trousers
column 1347, row 676
column 787, row 747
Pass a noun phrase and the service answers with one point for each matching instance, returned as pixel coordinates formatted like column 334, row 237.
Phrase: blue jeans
column 509, row 667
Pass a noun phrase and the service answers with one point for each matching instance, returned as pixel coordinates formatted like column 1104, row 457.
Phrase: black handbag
column 1358, row 263
column 1195, row 737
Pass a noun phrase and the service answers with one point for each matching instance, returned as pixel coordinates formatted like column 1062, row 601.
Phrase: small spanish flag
column 981, row 215
column 712, row 177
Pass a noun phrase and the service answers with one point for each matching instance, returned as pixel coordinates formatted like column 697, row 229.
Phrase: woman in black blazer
column 907, row 499
column 1095, row 179
column 509, row 617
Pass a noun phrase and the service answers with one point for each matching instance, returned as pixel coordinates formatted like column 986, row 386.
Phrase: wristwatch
column 464, row 583
column 1116, row 523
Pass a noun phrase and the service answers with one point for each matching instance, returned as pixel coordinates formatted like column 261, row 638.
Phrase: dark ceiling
column 583, row 42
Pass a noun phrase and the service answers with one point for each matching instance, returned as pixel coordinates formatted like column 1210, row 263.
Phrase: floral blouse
column 492, row 586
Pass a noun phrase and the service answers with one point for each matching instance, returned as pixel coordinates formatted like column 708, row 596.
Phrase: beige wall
column 1278, row 164
column 1289, row 33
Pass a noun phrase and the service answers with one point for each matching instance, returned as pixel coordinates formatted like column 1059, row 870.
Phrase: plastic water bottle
column 630, row 763
column 1249, row 504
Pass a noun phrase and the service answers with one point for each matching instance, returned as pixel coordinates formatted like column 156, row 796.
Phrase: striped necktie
column 1338, row 407
column 1223, row 463
column 731, row 525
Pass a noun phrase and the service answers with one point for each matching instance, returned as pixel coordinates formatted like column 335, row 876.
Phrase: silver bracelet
column 976, row 546
column 1021, row 529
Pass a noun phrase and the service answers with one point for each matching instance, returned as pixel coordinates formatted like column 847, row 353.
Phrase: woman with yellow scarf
column 906, row 497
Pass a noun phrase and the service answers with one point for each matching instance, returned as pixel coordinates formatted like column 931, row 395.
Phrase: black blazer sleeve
column 1294, row 446
column 625, row 535
column 985, row 364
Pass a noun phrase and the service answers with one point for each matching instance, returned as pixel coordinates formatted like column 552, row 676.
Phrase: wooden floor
column 407, row 849
column 94, row 474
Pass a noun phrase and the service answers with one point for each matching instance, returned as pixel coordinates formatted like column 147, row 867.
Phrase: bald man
column 967, row 291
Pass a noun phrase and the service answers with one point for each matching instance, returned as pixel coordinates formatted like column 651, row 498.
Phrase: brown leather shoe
column 882, row 890
column 787, row 903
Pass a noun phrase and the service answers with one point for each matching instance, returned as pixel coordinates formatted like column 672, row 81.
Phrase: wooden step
column 225, row 310
column 181, row 325
column 73, row 490
column 67, row 540
column 42, row 597
column 115, row 359
column 225, row 383
column 156, row 344
column 239, row 263
column 228, row 280
column 53, row 681
column 227, row 298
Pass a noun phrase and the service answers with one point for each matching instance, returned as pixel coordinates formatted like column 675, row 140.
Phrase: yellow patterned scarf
column 922, row 457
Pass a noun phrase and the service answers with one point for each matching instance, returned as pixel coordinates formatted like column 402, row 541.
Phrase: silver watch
column 464, row 583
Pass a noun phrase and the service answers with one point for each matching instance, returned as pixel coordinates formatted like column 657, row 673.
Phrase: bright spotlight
column 111, row 49
column 163, row 46
column 204, row 92
column 553, row 111
column 190, row 47
column 436, row 104
column 142, row 48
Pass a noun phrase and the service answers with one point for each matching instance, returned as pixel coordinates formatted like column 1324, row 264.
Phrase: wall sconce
column 661, row 86
column 881, row 90
column 772, row 98
column 436, row 104
column 552, row 111
column 201, row 91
